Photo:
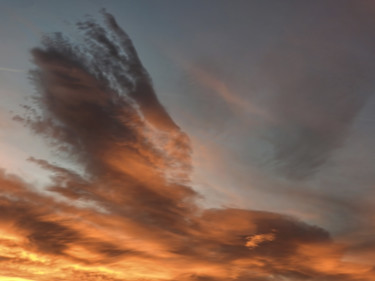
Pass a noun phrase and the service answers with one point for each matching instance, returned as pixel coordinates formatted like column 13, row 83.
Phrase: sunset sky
column 187, row 140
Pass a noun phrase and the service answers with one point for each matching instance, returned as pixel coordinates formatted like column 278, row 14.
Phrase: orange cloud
column 228, row 95
column 254, row 240
column 129, row 212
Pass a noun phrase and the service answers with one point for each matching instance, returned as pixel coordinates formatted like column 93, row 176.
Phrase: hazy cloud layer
column 319, row 77
column 128, row 212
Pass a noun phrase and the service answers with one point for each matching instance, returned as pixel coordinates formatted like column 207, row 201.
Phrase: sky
column 187, row 140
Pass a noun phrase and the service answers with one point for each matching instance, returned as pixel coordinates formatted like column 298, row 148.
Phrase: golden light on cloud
column 257, row 239
column 8, row 278
column 129, row 212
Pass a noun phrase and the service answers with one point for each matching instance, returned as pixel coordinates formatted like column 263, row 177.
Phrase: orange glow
column 129, row 211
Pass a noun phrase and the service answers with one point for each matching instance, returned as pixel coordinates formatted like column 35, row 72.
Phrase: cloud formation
column 319, row 77
column 128, row 212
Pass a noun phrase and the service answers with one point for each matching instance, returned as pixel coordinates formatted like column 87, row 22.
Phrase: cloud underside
column 128, row 212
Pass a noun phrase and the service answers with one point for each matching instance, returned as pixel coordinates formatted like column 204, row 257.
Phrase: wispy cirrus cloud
column 319, row 78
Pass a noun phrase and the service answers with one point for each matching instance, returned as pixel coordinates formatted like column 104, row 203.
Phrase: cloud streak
column 10, row 69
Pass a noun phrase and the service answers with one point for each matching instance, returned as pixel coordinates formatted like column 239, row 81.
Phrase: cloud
column 318, row 79
column 127, row 212
column 11, row 69
column 254, row 240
